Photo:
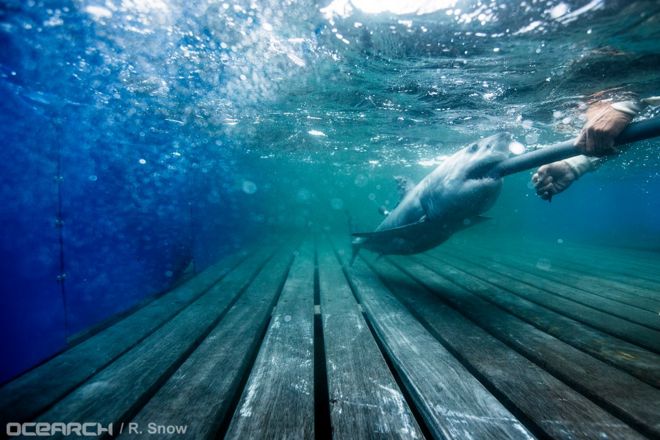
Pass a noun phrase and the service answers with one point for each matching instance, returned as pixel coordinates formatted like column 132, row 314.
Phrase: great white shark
column 451, row 198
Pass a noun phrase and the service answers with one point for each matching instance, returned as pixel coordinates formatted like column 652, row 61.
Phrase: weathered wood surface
column 201, row 391
column 365, row 400
column 117, row 391
column 600, row 276
column 566, row 286
column 635, row 360
column 602, row 383
column 451, row 400
column 463, row 342
column 552, row 407
column 636, row 263
column 575, row 270
column 33, row 392
column 522, row 286
column 278, row 399
column 602, row 269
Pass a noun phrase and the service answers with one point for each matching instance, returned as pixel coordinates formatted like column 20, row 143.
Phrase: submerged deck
column 461, row 342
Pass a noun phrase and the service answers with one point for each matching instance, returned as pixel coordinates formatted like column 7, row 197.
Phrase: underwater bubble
column 467, row 221
column 337, row 203
column 372, row 196
column 560, row 241
column 316, row 133
column 304, row 195
column 558, row 10
column 93, row 178
column 142, row 161
column 169, row 274
column 249, row 187
column 361, row 180
column 532, row 138
column 516, row 147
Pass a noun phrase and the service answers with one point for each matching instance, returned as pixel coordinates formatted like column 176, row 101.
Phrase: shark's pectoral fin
column 394, row 232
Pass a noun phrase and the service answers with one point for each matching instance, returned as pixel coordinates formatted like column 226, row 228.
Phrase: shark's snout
column 489, row 152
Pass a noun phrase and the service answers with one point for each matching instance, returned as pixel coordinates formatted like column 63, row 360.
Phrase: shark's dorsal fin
column 404, row 185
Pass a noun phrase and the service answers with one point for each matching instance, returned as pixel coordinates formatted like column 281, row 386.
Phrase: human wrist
column 579, row 165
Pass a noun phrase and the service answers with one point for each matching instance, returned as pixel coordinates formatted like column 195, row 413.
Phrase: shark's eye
column 473, row 148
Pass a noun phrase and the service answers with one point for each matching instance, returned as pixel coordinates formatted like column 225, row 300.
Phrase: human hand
column 553, row 178
column 604, row 124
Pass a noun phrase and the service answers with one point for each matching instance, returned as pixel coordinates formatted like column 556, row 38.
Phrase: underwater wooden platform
column 466, row 341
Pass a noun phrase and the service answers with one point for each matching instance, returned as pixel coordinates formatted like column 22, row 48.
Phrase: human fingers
column 546, row 192
column 545, row 195
column 537, row 177
column 589, row 142
column 545, row 181
column 540, row 174
column 581, row 141
column 607, row 145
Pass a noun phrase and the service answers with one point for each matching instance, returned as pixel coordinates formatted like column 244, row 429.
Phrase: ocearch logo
column 45, row 429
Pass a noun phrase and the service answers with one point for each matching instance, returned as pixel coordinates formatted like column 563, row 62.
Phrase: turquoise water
column 144, row 139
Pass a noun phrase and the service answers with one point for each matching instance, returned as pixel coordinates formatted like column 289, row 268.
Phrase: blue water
column 144, row 139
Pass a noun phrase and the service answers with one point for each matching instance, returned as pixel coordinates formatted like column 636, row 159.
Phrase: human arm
column 606, row 118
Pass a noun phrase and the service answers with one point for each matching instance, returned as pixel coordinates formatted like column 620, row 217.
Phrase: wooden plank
column 604, row 274
column 637, row 361
column 451, row 400
column 365, row 400
column 554, row 408
column 627, row 397
column 579, row 262
column 610, row 263
column 201, row 391
column 634, row 261
column 560, row 283
column 642, row 293
column 117, row 391
column 278, row 400
column 29, row 395
column 525, row 287
column 580, row 267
